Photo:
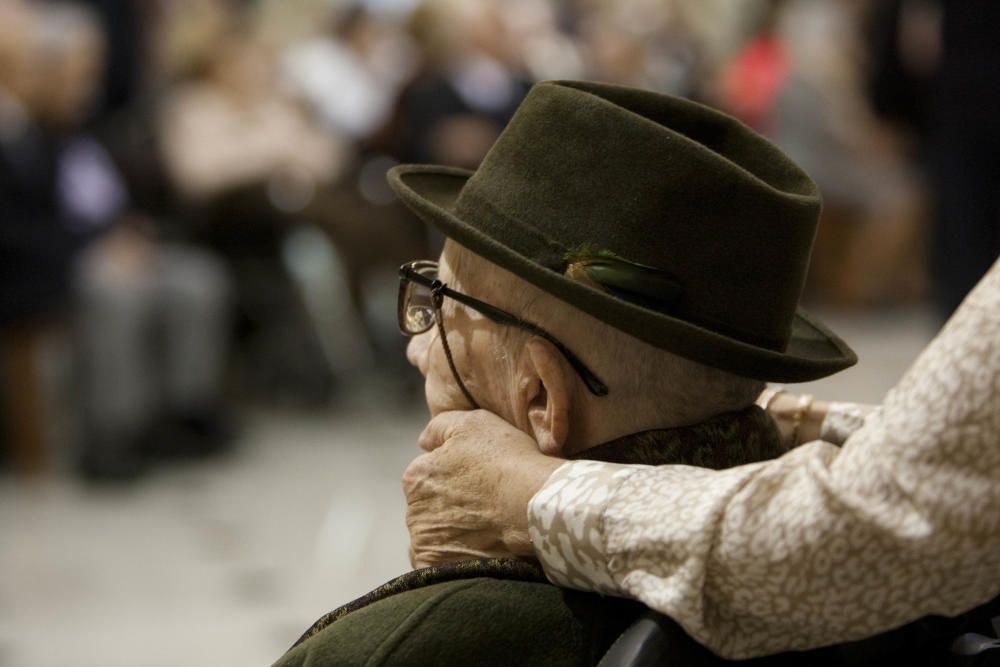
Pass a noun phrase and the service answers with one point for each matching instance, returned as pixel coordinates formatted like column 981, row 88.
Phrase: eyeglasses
column 419, row 308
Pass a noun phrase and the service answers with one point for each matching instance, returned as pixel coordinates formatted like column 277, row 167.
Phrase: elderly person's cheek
column 417, row 351
column 426, row 354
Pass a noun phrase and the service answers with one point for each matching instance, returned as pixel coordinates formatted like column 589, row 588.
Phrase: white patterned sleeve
column 822, row 545
column 843, row 419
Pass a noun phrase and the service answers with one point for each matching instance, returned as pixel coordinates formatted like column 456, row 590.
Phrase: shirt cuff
column 566, row 524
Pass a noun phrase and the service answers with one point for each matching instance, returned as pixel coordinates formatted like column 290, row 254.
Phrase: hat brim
column 813, row 351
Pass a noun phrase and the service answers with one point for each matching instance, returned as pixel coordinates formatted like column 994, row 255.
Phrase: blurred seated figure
column 149, row 317
column 797, row 81
column 152, row 330
column 874, row 223
column 256, row 155
column 597, row 293
column 350, row 71
column 467, row 87
column 33, row 249
column 35, row 245
column 248, row 163
column 229, row 127
column 349, row 75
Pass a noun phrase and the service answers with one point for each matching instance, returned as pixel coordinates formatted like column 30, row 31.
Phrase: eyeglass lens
column 418, row 314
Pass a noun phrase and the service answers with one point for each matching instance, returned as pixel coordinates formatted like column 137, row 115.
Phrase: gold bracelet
column 801, row 411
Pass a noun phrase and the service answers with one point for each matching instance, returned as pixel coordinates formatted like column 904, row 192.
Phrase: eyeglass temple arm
column 593, row 383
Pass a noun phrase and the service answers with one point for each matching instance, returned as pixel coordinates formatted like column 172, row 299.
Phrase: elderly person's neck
column 539, row 392
column 648, row 389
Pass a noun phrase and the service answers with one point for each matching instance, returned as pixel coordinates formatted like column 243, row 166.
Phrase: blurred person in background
column 934, row 75
column 228, row 127
column 149, row 318
column 262, row 142
column 25, row 181
column 798, row 80
column 351, row 71
column 349, row 75
column 34, row 249
column 646, row 44
column 965, row 150
column 466, row 88
column 247, row 162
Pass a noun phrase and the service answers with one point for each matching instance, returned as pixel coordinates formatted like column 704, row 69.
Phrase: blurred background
column 204, row 405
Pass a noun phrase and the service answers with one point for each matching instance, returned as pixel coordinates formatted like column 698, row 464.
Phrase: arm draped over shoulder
column 823, row 545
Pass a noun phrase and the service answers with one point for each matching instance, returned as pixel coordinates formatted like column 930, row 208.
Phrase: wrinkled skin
column 470, row 337
column 467, row 497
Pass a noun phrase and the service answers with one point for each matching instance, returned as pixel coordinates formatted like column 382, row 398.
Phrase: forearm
column 770, row 557
column 823, row 545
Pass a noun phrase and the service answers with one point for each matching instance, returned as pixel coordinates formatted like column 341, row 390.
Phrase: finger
column 441, row 428
column 448, row 425
column 415, row 474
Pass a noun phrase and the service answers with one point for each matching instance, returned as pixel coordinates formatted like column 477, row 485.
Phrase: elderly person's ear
column 545, row 394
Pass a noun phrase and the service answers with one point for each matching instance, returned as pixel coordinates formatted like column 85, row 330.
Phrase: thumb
column 439, row 430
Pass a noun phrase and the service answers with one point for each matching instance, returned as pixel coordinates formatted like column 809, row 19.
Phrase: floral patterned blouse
column 827, row 543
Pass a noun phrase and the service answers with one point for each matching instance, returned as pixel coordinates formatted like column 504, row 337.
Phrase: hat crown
column 661, row 182
column 661, row 217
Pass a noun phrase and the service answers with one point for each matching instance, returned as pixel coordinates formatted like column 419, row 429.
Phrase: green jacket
column 503, row 611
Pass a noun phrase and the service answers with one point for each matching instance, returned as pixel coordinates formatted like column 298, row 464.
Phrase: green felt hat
column 663, row 218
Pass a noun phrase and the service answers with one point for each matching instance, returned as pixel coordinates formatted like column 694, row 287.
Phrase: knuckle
column 410, row 487
column 415, row 472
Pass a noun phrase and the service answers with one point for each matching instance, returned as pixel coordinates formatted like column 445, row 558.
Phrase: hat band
column 522, row 239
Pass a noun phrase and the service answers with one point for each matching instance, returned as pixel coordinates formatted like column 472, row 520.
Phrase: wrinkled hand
column 467, row 497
